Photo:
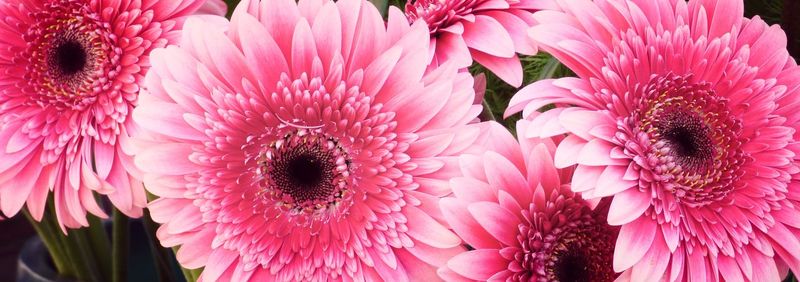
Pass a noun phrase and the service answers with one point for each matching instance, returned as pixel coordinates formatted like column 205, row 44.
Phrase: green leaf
column 769, row 10
column 231, row 6
column 382, row 5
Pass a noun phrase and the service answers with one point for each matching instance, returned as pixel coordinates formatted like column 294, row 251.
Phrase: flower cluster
column 320, row 141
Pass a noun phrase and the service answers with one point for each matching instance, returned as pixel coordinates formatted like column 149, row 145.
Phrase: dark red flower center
column 573, row 266
column 566, row 241
column 694, row 141
column 305, row 171
column 688, row 138
column 69, row 57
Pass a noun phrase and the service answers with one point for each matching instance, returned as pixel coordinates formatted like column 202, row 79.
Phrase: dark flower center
column 306, row 171
column 688, row 138
column 573, row 267
column 568, row 243
column 69, row 57
column 694, row 139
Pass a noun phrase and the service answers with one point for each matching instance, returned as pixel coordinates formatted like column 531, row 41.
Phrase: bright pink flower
column 687, row 115
column 516, row 211
column 489, row 31
column 71, row 72
column 304, row 142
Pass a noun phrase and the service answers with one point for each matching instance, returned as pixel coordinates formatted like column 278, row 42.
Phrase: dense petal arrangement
column 489, row 31
column 304, row 141
column 687, row 115
column 516, row 211
column 71, row 73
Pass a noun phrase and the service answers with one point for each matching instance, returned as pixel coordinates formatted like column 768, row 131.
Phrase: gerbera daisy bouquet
column 419, row 140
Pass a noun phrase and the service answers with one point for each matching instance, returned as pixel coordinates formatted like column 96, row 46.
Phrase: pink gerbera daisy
column 685, row 114
column 304, row 142
column 71, row 73
column 489, row 31
column 516, row 211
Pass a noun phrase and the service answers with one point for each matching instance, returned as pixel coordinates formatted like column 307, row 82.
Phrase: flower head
column 321, row 156
column 516, row 211
column 489, row 31
column 685, row 114
column 72, row 70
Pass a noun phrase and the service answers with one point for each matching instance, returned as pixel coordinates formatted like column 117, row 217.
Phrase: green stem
column 73, row 246
column 119, row 247
column 187, row 273
column 101, row 247
column 161, row 256
column 81, row 247
column 486, row 114
column 49, row 236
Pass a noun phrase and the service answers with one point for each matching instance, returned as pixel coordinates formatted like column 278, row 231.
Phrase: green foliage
column 769, row 10
column 401, row 4
column 499, row 93
column 231, row 5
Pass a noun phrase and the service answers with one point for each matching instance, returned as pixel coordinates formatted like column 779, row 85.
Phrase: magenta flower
column 685, row 114
column 71, row 73
column 304, row 142
column 489, row 31
column 516, row 211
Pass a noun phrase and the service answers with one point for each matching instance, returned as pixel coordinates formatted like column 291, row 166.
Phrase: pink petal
column 568, row 151
column 478, row 264
column 502, row 174
column 633, row 242
column 729, row 269
column 585, row 177
column 304, row 49
column 628, row 206
column 456, row 213
column 499, row 222
column 488, row 36
column 167, row 158
column 426, row 230
column 654, row 264
column 507, row 69
column 611, row 182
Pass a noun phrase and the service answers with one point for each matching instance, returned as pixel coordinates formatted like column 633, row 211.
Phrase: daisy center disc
column 573, row 244
column 69, row 57
column 306, row 172
column 688, row 138
column 71, row 54
column 694, row 139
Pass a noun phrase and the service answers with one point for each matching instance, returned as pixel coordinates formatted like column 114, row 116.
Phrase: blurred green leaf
column 231, row 5
column 769, row 10
column 382, row 5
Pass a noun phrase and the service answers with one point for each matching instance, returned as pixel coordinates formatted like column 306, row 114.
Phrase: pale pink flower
column 491, row 32
column 213, row 7
column 516, row 211
column 304, row 142
column 685, row 114
column 71, row 73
